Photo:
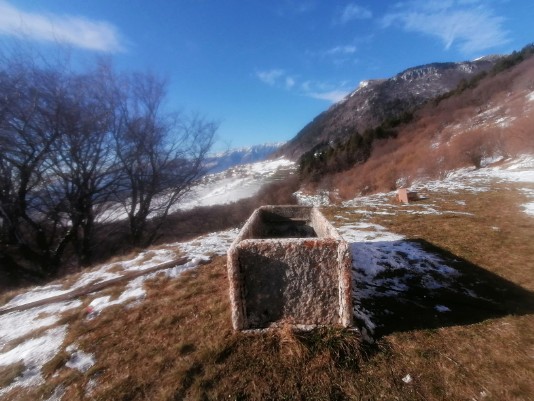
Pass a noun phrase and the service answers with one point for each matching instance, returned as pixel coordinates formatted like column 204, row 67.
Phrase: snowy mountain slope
column 33, row 337
column 235, row 183
column 233, row 157
column 238, row 182
column 518, row 170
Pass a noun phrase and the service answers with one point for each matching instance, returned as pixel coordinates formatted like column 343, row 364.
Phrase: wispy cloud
column 290, row 82
column 66, row 29
column 271, row 77
column 470, row 25
column 341, row 50
column 330, row 92
column 353, row 11
column 338, row 55
column 292, row 7
column 279, row 78
column 332, row 96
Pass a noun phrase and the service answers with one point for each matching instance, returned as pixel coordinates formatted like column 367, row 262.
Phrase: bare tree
column 54, row 159
column 26, row 138
column 73, row 144
column 82, row 159
column 161, row 155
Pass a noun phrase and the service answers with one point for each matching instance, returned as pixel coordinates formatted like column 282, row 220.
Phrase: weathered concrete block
column 289, row 265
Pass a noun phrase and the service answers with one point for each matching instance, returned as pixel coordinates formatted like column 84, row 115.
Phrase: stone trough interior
column 288, row 265
column 275, row 225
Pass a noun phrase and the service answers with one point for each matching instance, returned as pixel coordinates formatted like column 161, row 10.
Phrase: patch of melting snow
column 215, row 243
column 367, row 232
column 91, row 386
column 36, row 294
column 198, row 250
column 14, row 325
column 134, row 291
column 37, row 351
column 34, row 353
column 385, row 264
column 529, row 208
column 320, row 199
column 79, row 360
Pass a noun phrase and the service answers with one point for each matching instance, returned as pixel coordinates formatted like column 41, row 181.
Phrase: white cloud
column 348, row 49
column 469, row 25
column 328, row 91
column 271, row 77
column 352, row 12
column 331, row 92
column 290, row 82
column 332, row 96
column 66, row 29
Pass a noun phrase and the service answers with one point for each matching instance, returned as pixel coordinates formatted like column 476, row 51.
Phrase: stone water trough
column 288, row 265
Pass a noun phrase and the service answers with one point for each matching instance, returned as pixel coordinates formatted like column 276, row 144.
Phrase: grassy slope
column 178, row 344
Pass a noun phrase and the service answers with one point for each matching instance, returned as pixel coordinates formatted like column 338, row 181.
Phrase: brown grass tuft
column 9, row 373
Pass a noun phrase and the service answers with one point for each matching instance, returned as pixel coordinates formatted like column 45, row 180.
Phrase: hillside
column 380, row 99
column 443, row 287
column 487, row 119
column 439, row 315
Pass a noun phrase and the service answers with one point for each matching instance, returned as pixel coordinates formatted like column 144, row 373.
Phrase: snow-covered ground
column 236, row 183
column 386, row 264
column 520, row 170
column 32, row 337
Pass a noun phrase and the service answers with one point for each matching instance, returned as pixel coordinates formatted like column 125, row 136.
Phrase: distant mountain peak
column 244, row 155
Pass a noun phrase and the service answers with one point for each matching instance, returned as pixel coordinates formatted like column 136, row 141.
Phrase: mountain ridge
column 244, row 155
column 377, row 100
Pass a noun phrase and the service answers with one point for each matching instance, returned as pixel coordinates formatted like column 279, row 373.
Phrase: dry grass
column 9, row 373
column 484, row 348
column 178, row 344
column 456, row 133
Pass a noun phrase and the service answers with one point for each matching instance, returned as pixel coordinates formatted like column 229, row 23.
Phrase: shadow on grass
column 413, row 284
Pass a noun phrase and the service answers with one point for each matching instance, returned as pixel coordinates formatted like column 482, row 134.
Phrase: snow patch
column 529, row 208
column 36, row 294
column 79, row 360
column 236, row 183
column 320, row 199
column 385, row 264
column 19, row 324
column 34, row 353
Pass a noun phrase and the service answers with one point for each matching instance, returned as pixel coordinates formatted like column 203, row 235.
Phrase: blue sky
column 264, row 69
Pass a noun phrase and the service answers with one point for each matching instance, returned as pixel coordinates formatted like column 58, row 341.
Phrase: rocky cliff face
column 377, row 100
